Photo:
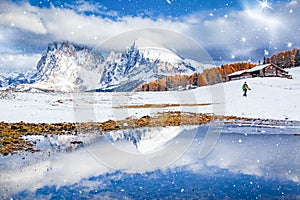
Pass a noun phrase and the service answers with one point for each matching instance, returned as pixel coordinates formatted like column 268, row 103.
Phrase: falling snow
column 266, row 52
column 225, row 22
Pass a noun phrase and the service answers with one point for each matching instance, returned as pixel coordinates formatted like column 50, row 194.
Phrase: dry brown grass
column 162, row 105
column 11, row 140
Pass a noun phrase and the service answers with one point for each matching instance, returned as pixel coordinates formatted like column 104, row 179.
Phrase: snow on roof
column 256, row 68
column 237, row 73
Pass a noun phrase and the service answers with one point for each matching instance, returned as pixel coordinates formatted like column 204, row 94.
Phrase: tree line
column 207, row 77
column 286, row 59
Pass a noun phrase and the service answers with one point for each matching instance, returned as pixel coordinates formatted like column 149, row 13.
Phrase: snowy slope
column 270, row 98
column 275, row 98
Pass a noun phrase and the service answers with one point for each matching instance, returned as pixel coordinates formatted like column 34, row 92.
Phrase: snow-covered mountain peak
column 68, row 67
column 143, row 61
column 162, row 54
column 155, row 51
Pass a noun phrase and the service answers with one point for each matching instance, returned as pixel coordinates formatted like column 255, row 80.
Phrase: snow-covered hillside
column 270, row 98
column 275, row 98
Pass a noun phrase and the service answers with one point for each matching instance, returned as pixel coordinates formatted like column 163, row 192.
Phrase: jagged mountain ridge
column 84, row 57
column 12, row 79
column 125, row 71
column 68, row 67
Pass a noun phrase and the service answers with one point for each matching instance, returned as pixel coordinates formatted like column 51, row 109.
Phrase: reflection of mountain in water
column 147, row 139
column 247, row 162
column 62, row 143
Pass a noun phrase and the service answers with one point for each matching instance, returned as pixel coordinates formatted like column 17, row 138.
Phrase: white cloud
column 268, row 29
column 27, row 22
column 21, row 17
column 19, row 61
column 87, row 7
column 271, row 29
column 82, row 6
column 293, row 3
column 68, row 25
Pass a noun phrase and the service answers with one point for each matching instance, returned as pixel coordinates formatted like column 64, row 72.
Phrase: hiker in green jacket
column 245, row 87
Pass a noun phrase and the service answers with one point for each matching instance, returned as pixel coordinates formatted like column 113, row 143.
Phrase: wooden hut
column 266, row 70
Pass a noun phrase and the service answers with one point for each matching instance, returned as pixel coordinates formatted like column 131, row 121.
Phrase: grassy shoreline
column 12, row 141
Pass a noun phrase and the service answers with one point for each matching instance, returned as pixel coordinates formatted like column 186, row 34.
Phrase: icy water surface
column 247, row 162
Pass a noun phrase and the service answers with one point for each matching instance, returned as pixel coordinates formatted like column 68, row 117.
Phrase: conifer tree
column 297, row 58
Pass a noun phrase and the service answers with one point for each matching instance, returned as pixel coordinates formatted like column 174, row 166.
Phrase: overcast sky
column 228, row 30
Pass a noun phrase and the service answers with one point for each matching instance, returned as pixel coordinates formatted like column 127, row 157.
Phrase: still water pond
column 199, row 162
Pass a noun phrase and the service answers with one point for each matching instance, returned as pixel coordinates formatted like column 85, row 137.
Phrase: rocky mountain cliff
column 67, row 67
column 125, row 71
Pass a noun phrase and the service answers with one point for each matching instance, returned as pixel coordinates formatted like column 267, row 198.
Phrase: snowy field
column 270, row 98
column 248, row 161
